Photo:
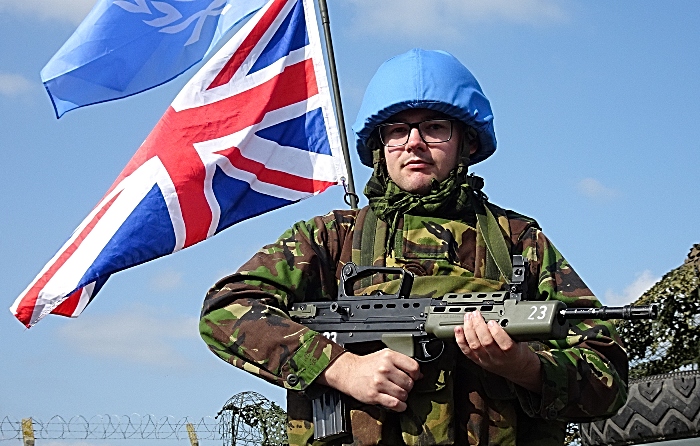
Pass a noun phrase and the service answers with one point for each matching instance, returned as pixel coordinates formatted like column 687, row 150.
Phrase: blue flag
column 124, row 47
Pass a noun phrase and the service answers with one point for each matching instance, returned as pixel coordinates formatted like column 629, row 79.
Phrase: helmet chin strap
column 462, row 167
column 469, row 137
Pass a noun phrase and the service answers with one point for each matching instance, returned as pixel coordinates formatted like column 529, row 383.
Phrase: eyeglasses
column 394, row 134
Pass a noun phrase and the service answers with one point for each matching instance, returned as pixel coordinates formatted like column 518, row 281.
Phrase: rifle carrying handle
column 351, row 273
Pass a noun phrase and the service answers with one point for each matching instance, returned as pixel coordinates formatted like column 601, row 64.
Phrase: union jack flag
column 252, row 131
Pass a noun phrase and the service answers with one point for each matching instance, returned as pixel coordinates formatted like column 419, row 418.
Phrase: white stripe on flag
column 131, row 192
column 196, row 93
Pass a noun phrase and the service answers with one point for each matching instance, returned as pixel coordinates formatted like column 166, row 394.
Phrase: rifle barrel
column 628, row 312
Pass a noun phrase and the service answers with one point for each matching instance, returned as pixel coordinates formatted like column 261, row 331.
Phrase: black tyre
column 660, row 407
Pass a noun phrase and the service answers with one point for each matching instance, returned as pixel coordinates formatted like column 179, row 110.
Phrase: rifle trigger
column 425, row 349
column 427, row 356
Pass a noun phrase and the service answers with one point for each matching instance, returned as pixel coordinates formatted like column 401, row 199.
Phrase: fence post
column 27, row 432
column 192, row 434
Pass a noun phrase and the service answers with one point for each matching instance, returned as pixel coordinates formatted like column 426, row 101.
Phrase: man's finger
column 392, row 403
column 462, row 340
column 499, row 335
column 408, row 365
column 482, row 330
column 398, row 379
column 469, row 333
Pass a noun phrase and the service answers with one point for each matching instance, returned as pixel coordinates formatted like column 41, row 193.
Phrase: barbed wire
column 247, row 419
column 104, row 427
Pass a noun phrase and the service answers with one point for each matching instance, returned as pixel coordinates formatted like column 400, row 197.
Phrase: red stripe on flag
column 177, row 131
column 172, row 142
column 271, row 176
column 68, row 306
column 295, row 84
column 26, row 306
column 173, row 138
column 252, row 39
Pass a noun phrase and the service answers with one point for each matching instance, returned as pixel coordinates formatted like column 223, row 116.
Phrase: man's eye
column 436, row 125
column 398, row 130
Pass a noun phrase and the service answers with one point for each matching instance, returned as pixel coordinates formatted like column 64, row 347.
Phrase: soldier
column 424, row 119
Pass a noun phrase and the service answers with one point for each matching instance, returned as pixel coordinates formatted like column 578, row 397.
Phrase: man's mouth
column 416, row 163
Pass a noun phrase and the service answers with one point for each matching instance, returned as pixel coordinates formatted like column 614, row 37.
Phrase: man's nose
column 415, row 141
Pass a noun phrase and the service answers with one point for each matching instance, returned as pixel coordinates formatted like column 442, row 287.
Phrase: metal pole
column 27, row 432
column 192, row 433
column 350, row 191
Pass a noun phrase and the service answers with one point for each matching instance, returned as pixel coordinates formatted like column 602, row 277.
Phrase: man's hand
column 489, row 346
column 384, row 377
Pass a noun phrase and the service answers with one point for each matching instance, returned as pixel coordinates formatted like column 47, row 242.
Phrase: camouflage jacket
column 245, row 322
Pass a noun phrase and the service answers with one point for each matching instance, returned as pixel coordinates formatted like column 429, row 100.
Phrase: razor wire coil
column 247, row 419
column 105, row 427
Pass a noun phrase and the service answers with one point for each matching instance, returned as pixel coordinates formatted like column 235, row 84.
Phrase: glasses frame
column 415, row 125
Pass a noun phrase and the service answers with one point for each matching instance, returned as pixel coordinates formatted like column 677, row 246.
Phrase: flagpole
column 350, row 195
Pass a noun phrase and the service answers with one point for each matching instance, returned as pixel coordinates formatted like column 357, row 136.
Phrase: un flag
column 124, row 47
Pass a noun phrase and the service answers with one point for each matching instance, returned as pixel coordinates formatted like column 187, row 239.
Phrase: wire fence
column 108, row 427
column 247, row 419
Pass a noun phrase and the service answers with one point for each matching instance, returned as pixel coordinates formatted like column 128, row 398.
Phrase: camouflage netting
column 250, row 419
column 672, row 341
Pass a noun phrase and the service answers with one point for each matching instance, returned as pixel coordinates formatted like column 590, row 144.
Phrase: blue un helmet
column 435, row 80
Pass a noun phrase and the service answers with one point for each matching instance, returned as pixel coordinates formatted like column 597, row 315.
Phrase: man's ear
column 473, row 145
column 472, row 140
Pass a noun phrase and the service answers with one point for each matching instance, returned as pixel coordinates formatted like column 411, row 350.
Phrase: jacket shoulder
column 516, row 216
column 519, row 224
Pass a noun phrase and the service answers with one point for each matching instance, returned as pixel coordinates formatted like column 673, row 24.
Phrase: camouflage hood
column 435, row 80
column 453, row 197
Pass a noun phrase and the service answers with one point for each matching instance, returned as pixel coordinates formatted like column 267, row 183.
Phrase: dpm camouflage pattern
column 244, row 321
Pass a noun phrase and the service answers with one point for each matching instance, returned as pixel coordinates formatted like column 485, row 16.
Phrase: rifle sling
column 364, row 242
column 497, row 250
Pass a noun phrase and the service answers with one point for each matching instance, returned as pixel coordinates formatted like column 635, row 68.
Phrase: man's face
column 413, row 165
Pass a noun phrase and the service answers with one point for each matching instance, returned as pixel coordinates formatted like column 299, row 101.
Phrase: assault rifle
column 417, row 326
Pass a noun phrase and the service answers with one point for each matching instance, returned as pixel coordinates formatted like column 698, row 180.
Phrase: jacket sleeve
column 244, row 318
column 584, row 375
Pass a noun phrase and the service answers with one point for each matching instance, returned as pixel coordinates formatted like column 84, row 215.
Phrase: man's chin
column 417, row 187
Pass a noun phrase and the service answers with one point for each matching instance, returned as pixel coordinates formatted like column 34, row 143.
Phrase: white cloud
column 141, row 334
column 447, row 17
column 166, row 281
column 633, row 291
column 524, row 11
column 14, row 84
column 592, row 188
column 73, row 11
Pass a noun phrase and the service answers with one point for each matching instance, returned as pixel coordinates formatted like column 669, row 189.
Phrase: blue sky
column 596, row 106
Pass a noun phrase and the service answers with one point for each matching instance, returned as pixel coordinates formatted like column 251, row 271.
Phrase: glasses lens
column 394, row 134
column 431, row 131
column 436, row 130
